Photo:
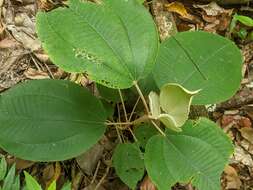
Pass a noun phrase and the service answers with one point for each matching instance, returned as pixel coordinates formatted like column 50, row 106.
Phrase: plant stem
column 134, row 122
column 158, row 128
column 141, row 96
column 132, row 112
column 123, row 104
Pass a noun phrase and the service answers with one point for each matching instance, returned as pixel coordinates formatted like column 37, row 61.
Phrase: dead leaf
column 177, row 7
column 147, row 184
column 212, row 9
column 233, row 180
column 51, row 173
column 240, row 156
column 247, row 133
column 88, row 161
column 9, row 43
column 35, row 74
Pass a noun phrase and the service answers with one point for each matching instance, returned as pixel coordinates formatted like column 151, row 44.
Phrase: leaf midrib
column 197, row 171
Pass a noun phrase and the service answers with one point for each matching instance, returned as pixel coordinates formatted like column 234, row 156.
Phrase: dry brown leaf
column 241, row 156
column 178, row 8
column 8, row 43
column 247, row 133
column 233, row 180
column 35, row 74
column 213, row 9
column 51, row 173
column 147, row 184
column 88, row 160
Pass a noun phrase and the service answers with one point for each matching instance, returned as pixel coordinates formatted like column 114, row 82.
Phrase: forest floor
column 22, row 58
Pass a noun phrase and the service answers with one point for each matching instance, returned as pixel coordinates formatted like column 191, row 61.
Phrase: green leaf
column 175, row 101
column 52, row 186
column 10, row 178
column 31, row 183
column 16, row 184
column 109, row 108
column 143, row 133
column 128, row 163
column 108, row 93
column 244, row 20
column 48, row 120
column 115, row 42
column 200, row 60
column 198, row 155
column 67, row 186
column 3, row 168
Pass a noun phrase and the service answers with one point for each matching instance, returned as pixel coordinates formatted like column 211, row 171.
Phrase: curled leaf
column 154, row 104
column 175, row 101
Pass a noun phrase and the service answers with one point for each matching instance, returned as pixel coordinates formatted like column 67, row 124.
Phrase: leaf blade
column 216, row 68
column 59, row 120
column 198, row 154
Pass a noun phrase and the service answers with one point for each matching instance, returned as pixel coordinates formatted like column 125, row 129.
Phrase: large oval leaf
column 199, row 60
column 115, row 42
column 198, row 155
column 48, row 120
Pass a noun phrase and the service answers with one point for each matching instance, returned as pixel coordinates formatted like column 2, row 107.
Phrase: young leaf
column 198, row 155
column 52, row 186
column 175, row 101
column 10, row 178
column 169, row 122
column 128, row 163
column 16, row 184
column 67, row 186
column 31, row 183
column 143, row 133
column 244, row 20
column 115, row 42
column 154, row 104
column 3, row 168
column 200, row 60
column 47, row 120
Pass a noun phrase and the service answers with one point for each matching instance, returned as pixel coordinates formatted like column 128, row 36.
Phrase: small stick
column 158, row 128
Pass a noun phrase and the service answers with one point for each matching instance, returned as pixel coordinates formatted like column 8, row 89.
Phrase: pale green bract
column 48, row 120
column 175, row 101
column 200, row 60
column 198, row 155
column 115, row 42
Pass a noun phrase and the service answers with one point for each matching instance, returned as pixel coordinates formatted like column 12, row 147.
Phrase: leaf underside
column 200, row 60
column 198, row 155
column 115, row 42
column 49, row 120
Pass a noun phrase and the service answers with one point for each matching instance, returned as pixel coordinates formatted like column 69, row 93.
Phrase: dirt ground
column 22, row 58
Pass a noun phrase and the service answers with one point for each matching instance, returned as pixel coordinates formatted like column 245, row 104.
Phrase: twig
column 134, row 122
column 135, row 105
column 158, row 128
column 103, row 178
column 123, row 104
column 95, row 173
